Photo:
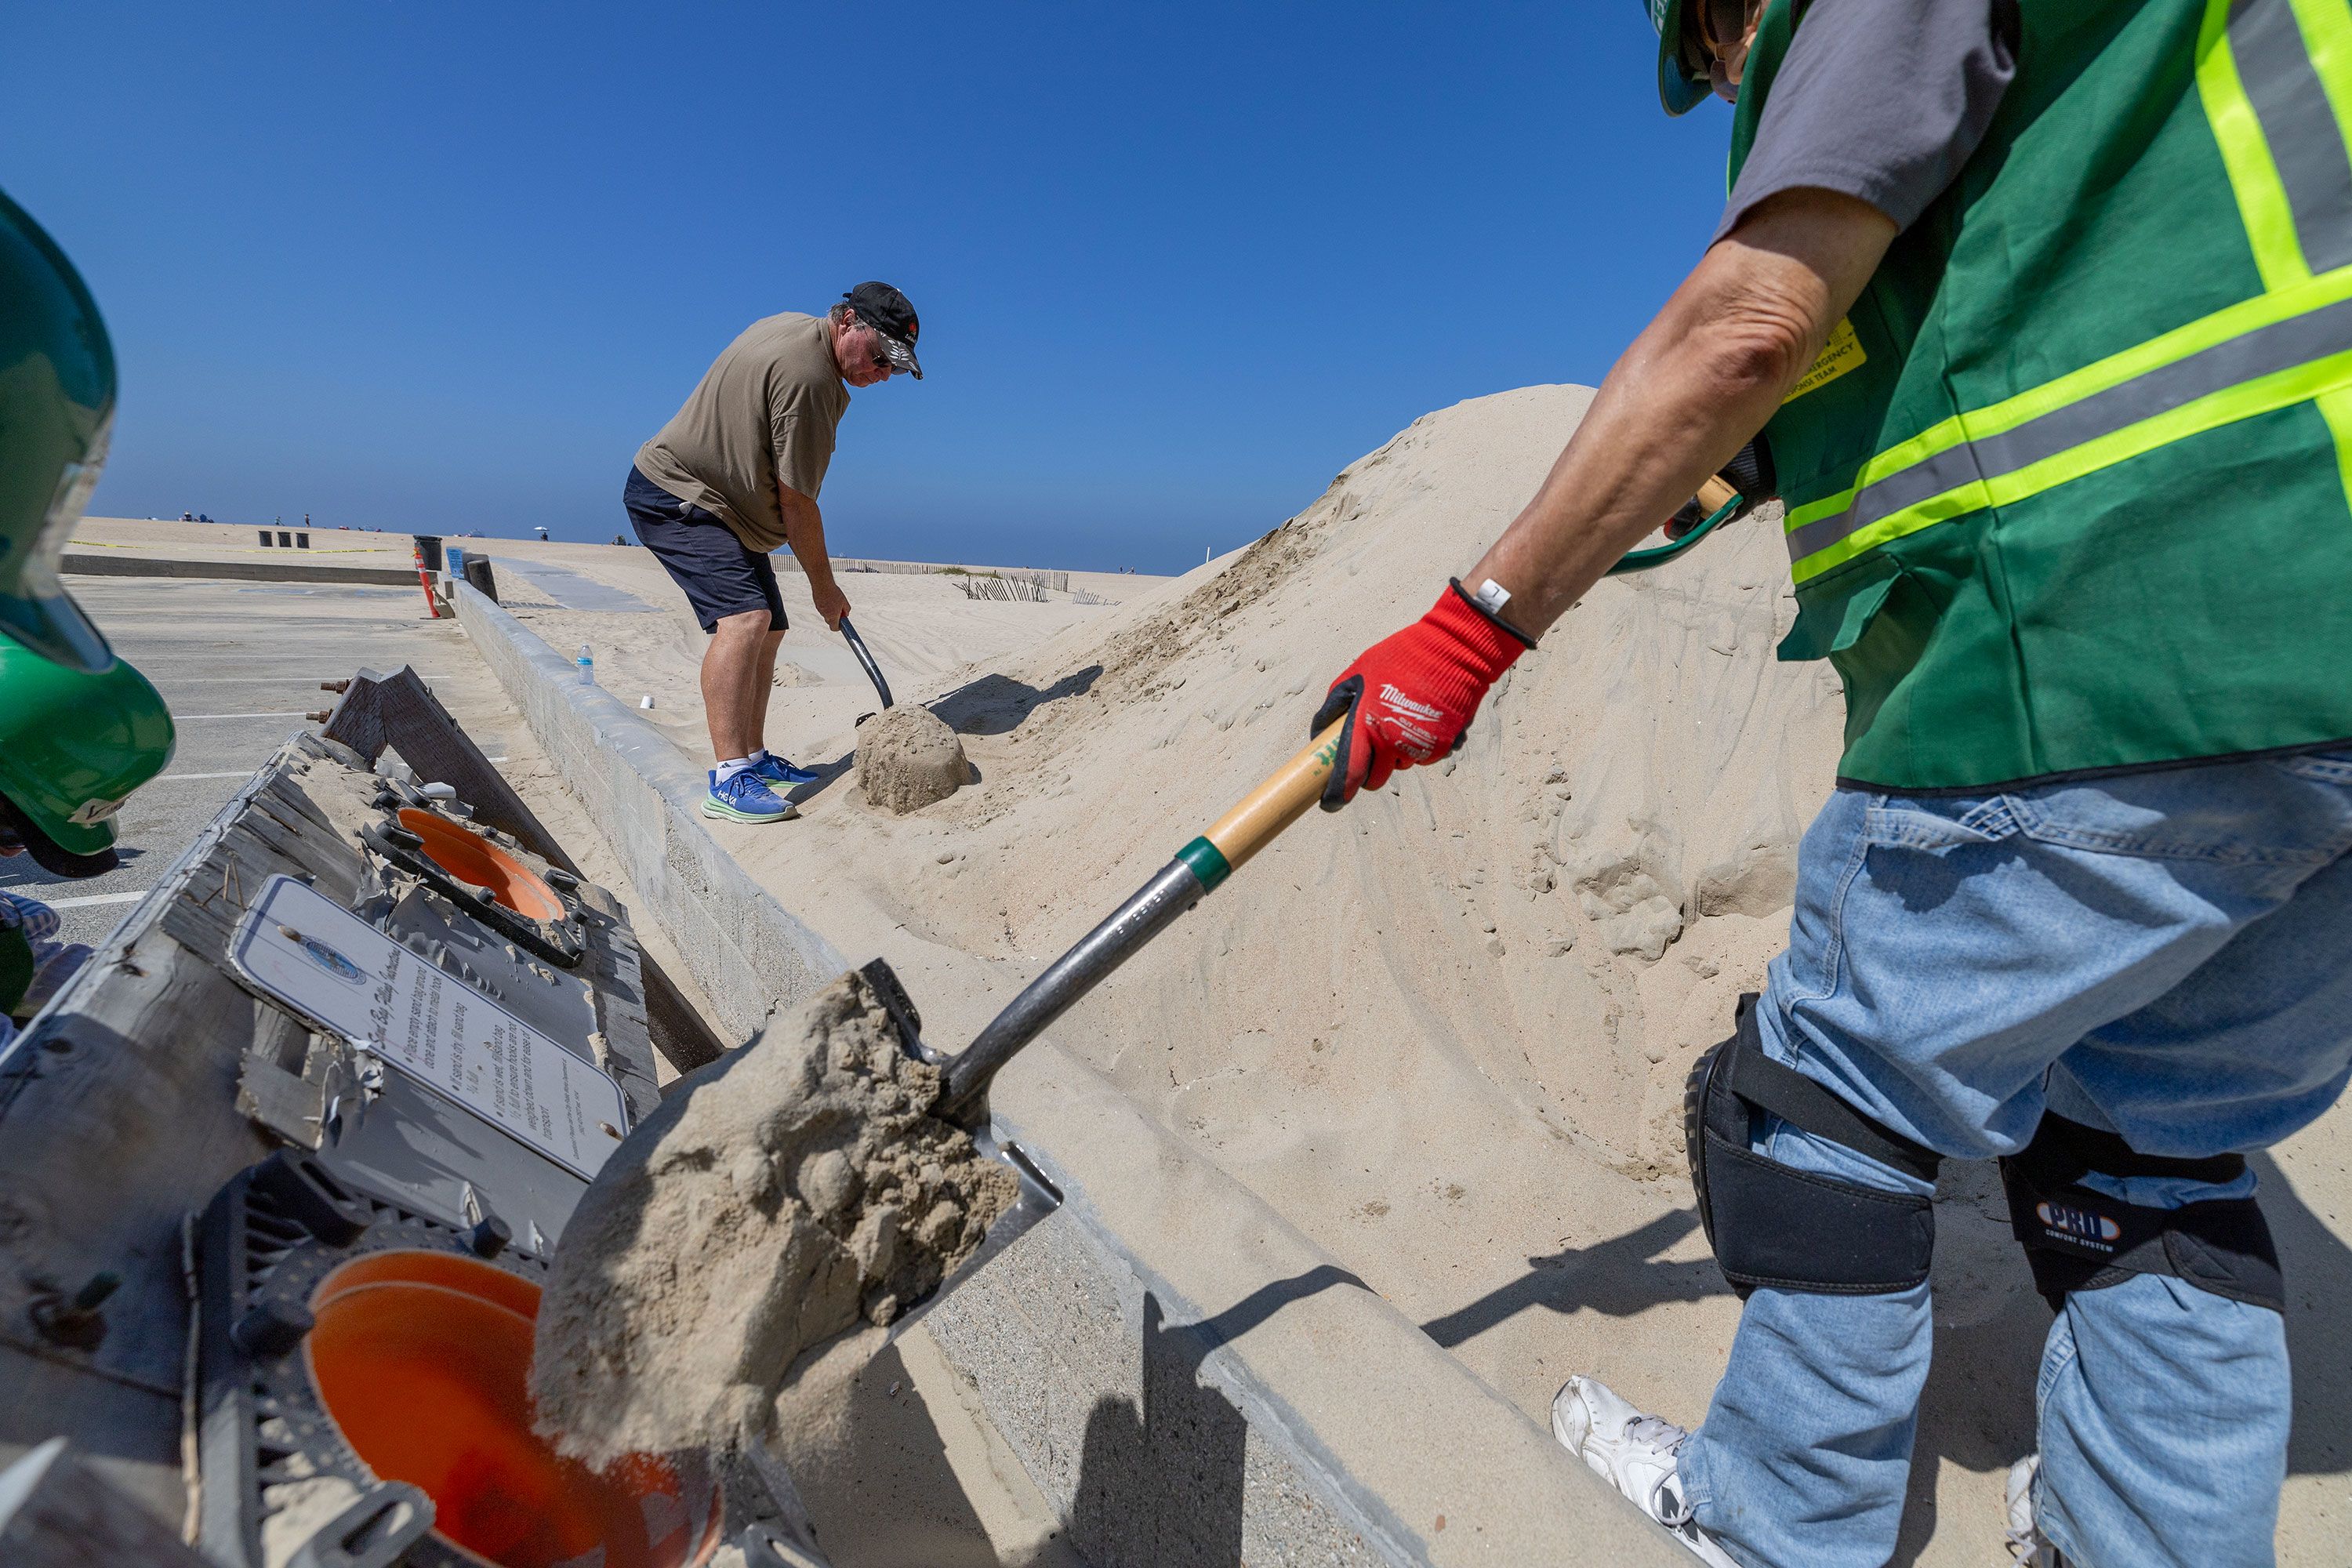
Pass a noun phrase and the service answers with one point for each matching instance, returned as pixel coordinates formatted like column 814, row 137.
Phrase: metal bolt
column 489, row 1237
column 76, row 1321
column 271, row 1328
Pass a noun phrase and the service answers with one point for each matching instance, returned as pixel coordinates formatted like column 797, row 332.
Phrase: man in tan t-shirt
column 734, row 475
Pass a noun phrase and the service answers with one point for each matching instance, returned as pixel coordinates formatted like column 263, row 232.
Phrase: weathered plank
column 56, row 1512
column 398, row 710
column 129, row 1100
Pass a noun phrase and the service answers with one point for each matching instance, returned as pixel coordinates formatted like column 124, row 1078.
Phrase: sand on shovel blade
column 779, row 1197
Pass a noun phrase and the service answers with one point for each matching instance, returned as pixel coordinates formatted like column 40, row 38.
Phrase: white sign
column 345, row 976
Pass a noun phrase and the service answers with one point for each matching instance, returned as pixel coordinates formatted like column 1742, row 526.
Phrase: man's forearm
column 804, row 532
column 1696, row 385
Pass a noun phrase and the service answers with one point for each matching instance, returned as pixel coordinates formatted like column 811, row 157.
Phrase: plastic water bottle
column 587, row 666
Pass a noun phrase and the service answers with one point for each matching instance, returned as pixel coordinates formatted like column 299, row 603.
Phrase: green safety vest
column 2067, row 491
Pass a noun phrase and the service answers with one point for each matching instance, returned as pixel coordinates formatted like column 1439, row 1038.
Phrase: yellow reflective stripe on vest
column 2274, row 77
column 2328, row 36
column 2085, row 421
column 2262, row 203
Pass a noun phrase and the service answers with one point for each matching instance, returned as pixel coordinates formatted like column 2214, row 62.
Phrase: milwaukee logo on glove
column 1429, row 679
column 1411, row 738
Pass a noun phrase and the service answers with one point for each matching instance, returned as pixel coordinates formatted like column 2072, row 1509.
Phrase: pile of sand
column 776, row 1199
column 909, row 759
column 1445, row 1033
column 1548, row 926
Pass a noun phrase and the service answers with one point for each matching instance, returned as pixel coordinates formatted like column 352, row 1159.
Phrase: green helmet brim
column 73, row 745
column 1679, row 92
column 56, row 408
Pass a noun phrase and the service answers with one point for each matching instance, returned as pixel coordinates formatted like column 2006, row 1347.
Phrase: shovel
column 873, row 670
column 1197, row 869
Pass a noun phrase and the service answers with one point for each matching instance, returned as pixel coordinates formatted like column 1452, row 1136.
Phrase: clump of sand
column 908, row 758
column 780, row 1197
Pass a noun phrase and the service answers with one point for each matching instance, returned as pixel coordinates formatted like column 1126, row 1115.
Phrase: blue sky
column 431, row 266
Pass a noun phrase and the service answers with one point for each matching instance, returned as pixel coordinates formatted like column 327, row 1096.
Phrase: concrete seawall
column 83, row 565
column 1190, row 1381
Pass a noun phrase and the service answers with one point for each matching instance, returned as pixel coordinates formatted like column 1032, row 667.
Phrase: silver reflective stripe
column 2305, row 140
column 2282, row 345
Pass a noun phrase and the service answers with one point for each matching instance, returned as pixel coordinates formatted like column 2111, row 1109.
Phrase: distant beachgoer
column 734, row 475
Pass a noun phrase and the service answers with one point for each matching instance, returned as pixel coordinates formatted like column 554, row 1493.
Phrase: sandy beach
column 1446, row 1032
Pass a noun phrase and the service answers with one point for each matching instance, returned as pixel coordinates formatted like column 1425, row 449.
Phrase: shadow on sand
column 1978, row 1409
column 998, row 704
column 1617, row 1278
column 992, row 705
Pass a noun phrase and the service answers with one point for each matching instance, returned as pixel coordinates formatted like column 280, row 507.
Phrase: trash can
column 428, row 549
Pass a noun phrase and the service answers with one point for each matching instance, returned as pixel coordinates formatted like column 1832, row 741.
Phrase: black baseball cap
column 886, row 311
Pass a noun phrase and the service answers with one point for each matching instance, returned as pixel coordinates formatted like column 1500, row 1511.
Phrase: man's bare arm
column 804, row 532
column 1696, row 385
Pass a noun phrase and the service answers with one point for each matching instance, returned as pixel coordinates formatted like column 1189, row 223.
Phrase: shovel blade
column 1039, row 1196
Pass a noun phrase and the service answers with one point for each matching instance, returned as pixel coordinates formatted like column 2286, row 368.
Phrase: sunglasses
column 879, row 354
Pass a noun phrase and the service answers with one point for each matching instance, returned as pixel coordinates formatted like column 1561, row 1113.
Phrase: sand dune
column 1445, row 1032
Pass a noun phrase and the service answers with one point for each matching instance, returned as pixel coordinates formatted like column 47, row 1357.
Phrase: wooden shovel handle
column 1281, row 800
column 1713, row 494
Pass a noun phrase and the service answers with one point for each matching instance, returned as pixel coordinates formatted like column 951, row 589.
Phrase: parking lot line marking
column 272, row 713
column 86, row 899
column 235, row 773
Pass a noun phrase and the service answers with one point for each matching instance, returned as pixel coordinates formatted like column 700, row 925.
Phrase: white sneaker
column 1636, row 1454
column 2028, row 1547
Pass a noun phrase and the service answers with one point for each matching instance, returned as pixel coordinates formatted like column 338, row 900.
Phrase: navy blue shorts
column 720, row 575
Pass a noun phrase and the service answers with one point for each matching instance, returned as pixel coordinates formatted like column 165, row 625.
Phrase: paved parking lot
column 240, row 663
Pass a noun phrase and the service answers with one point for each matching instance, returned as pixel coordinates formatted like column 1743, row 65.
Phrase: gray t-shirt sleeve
column 1881, row 100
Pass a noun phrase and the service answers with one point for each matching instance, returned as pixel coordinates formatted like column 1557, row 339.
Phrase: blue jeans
column 2164, row 954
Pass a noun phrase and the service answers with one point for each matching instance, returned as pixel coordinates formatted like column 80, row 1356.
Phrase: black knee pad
column 2078, row 1240
column 1797, row 1230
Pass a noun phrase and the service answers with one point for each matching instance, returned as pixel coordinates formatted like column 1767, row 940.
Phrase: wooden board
column 56, row 1512
column 119, row 1103
column 375, row 710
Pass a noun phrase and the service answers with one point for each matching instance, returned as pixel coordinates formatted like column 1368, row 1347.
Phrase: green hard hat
column 57, row 407
column 1677, row 90
column 73, row 745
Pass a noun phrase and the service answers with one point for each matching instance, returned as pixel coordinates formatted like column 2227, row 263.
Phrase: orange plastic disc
column 470, row 857
column 422, row 1359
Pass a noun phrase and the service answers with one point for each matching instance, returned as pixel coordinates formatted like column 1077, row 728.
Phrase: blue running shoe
column 746, row 797
column 778, row 770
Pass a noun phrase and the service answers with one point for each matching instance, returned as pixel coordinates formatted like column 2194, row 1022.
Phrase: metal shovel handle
column 1254, row 822
column 873, row 670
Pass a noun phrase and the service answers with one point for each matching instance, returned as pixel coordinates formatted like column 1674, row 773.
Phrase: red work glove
column 1409, row 697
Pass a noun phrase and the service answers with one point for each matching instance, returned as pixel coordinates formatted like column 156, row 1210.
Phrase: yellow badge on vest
column 1841, row 353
